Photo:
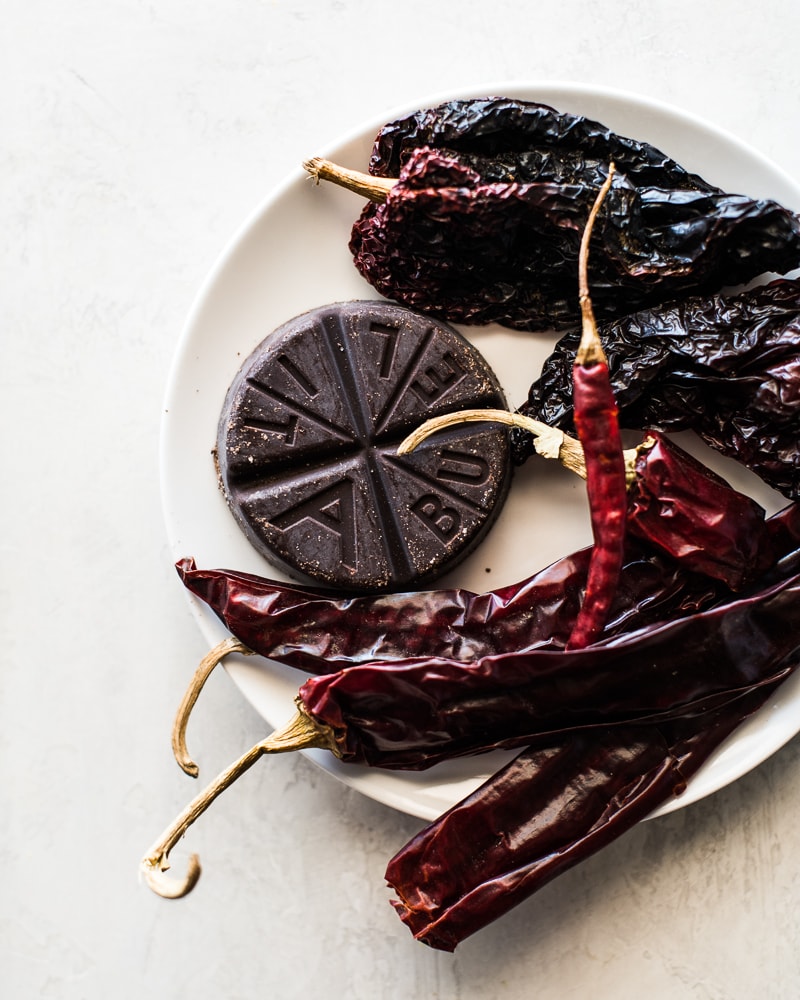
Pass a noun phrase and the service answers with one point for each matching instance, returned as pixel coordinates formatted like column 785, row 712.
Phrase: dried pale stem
column 374, row 188
column 301, row 733
column 549, row 442
column 201, row 675
column 590, row 350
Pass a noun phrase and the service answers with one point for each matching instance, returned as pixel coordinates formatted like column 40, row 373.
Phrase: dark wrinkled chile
column 724, row 366
column 546, row 811
column 485, row 222
column 687, row 511
column 513, row 140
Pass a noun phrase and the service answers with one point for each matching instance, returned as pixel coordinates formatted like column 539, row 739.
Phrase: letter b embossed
column 443, row 521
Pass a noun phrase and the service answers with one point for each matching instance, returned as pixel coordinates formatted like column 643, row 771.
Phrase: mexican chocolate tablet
column 307, row 444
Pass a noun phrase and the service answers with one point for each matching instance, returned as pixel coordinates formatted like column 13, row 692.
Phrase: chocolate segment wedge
column 307, row 447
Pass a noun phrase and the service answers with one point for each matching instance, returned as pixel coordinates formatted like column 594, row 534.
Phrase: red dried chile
column 597, row 424
column 545, row 812
column 413, row 714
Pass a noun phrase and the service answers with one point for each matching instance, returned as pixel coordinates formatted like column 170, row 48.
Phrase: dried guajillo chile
column 489, row 230
column 725, row 366
column 546, row 811
column 414, row 714
column 691, row 537
column 323, row 632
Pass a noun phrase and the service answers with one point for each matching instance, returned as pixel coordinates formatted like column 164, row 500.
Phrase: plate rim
column 208, row 624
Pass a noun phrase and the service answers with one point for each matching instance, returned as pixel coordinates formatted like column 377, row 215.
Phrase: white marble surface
column 136, row 136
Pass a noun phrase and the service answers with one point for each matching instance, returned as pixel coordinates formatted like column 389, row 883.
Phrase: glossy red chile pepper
column 598, row 431
column 686, row 528
column 321, row 632
column 413, row 714
column 546, row 811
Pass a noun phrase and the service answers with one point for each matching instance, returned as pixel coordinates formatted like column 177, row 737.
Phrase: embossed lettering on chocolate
column 306, row 449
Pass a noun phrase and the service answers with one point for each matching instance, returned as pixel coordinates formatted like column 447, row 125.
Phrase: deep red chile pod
column 412, row 714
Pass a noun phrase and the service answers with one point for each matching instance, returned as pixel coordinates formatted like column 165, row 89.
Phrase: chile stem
column 590, row 349
column 300, row 734
column 549, row 442
column 201, row 675
column 374, row 188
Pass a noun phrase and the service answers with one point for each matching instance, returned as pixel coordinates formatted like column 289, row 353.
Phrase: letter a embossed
column 333, row 509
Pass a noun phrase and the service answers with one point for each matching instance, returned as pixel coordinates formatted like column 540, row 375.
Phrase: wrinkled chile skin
column 411, row 715
column 726, row 366
column 688, row 512
column 598, row 432
column 511, row 139
column 322, row 633
column 546, row 811
column 485, row 221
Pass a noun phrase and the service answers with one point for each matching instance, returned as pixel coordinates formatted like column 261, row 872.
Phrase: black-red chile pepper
column 485, row 222
column 726, row 366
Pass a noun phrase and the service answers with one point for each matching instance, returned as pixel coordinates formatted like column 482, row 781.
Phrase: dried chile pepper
column 724, row 366
column 599, row 434
column 412, row 715
column 692, row 527
column 453, row 240
column 322, row 632
column 545, row 812
column 507, row 139
column 691, row 514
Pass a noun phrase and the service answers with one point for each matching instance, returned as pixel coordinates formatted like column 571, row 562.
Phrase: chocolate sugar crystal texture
column 307, row 447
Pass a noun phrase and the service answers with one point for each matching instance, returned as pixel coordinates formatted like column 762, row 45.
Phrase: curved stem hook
column 301, row 733
column 549, row 442
column 201, row 675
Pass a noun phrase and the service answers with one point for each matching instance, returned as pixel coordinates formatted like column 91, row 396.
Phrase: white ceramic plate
column 290, row 256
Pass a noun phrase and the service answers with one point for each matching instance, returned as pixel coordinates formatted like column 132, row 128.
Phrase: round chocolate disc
column 307, row 447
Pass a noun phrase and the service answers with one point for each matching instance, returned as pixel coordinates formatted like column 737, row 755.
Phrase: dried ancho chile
column 485, row 219
column 724, row 366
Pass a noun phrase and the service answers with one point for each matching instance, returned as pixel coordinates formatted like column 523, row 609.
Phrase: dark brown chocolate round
column 307, row 447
